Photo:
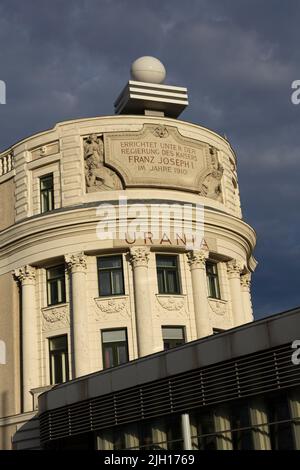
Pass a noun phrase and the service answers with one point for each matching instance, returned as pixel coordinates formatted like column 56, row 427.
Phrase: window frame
column 105, row 330
column 48, row 281
column 47, row 191
column 181, row 327
column 175, row 269
column 214, row 276
column 56, row 353
column 111, row 269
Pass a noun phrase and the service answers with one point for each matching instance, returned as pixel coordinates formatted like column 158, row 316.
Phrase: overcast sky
column 69, row 59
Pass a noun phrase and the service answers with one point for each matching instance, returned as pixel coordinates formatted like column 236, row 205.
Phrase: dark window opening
column 58, row 357
column 47, row 193
column 173, row 336
column 213, row 280
column 56, row 287
column 110, row 275
column 114, row 347
column 167, row 274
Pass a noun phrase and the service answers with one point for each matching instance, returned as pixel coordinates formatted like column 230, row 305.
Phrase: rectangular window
column 213, row 280
column 173, row 336
column 47, row 193
column 58, row 355
column 56, row 288
column 167, row 274
column 114, row 347
column 110, row 275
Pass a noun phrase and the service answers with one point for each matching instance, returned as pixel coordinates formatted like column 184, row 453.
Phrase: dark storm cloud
column 64, row 60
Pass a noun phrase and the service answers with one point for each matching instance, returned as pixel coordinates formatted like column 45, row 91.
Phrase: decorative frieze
column 219, row 307
column 45, row 150
column 171, row 304
column 112, row 306
column 55, row 317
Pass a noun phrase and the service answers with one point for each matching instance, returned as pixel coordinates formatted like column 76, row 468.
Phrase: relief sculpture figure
column 97, row 176
column 211, row 184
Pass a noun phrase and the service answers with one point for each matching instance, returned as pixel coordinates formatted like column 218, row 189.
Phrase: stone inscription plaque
column 160, row 156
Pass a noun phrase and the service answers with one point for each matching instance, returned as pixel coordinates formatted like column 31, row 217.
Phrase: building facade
column 120, row 236
column 239, row 390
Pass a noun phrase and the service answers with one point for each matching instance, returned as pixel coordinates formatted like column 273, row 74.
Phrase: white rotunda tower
column 120, row 236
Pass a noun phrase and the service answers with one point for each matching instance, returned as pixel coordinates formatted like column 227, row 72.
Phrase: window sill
column 217, row 299
column 166, row 294
column 61, row 304
column 113, row 296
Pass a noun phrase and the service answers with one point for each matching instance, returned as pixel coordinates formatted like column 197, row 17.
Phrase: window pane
column 115, row 351
column 122, row 353
column 113, row 336
column 47, row 182
column 212, row 280
column 59, row 367
column 173, row 337
column 44, row 202
column 110, row 272
column 172, row 284
column 167, row 274
column 58, row 343
column 54, row 273
column 172, row 333
column 56, row 288
column 210, row 268
column 160, row 280
column 117, row 282
column 53, row 292
column 166, row 261
column 108, row 356
column 58, row 376
column 104, row 283
column 47, row 193
column 106, row 262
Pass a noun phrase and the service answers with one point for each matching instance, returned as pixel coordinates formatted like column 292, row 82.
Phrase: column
column 246, row 296
column 186, row 432
column 30, row 366
column 294, row 402
column 139, row 257
column 77, row 266
column 234, row 270
column 259, row 416
column 196, row 260
column 222, row 428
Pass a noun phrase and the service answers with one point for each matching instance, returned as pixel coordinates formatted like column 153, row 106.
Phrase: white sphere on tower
column 148, row 69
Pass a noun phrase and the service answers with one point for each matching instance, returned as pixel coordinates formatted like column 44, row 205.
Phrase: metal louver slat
column 258, row 373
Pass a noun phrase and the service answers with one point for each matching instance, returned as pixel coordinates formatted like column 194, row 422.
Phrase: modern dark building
column 238, row 389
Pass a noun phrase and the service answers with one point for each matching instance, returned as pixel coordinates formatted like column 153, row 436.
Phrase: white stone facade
column 67, row 235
